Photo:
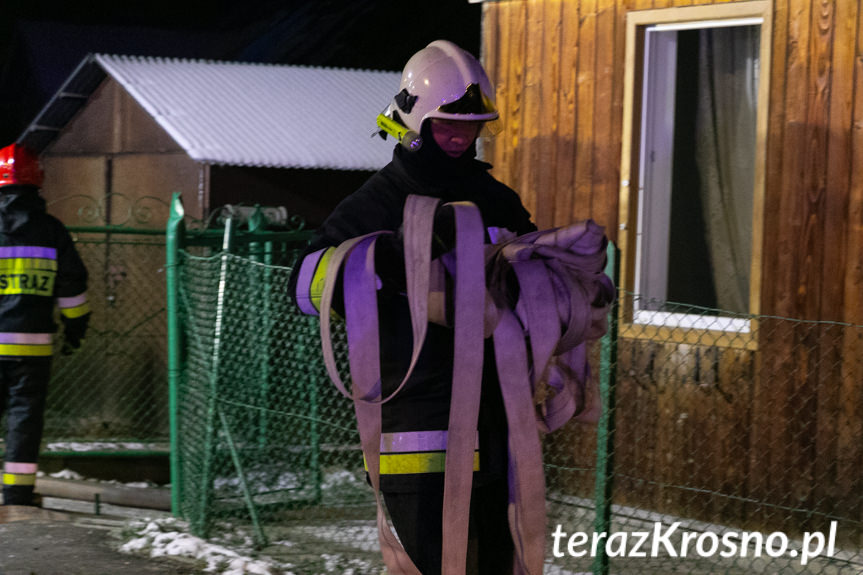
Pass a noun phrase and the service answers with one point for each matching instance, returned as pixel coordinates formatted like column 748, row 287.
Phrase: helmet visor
column 473, row 105
column 472, row 102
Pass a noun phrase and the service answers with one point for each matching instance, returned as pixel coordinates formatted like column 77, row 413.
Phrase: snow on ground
column 346, row 547
column 231, row 550
column 169, row 537
column 81, row 446
column 75, row 476
column 236, row 556
column 231, row 554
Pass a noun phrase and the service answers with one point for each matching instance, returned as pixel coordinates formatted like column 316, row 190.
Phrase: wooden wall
column 789, row 419
column 113, row 146
column 558, row 69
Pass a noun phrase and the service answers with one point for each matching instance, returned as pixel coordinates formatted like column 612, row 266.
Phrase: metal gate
column 111, row 395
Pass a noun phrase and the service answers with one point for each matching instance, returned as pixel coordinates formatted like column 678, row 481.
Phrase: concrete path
column 37, row 541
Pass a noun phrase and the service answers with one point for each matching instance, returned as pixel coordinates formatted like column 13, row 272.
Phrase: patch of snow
column 361, row 535
column 168, row 537
column 139, row 484
column 67, row 474
column 75, row 476
column 84, row 446
column 231, row 550
column 263, row 480
column 339, row 478
column 233, row 553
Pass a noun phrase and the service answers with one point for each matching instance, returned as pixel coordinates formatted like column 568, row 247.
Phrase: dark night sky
column 41, row 41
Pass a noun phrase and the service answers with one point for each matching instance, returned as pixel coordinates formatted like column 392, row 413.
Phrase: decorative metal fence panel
column 736, row 454
column 112, row 395
column 115, row 388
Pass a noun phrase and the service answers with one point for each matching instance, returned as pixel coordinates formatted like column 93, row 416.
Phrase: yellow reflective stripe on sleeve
column 316, row 288
column 72, row 301
column 18, row 350
column 311, row 279
column 428, row 462
column 77, row 311
column 19, row 479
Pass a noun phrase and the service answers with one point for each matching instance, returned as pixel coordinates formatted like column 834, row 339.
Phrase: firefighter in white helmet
column 445, row 101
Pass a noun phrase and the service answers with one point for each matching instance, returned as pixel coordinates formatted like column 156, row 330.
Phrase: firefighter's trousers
column 23, row 389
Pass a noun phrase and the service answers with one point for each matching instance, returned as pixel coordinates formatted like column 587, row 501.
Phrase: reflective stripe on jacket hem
column 26, row 338
column 22, row 344
column 407, row 463
column 19, row 479
column 26, row 350
column 416, row 452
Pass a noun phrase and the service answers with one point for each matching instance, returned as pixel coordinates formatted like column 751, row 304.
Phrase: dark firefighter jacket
column 39, row 268
column 422, row 407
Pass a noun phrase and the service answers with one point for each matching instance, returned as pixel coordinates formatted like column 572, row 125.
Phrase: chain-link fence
column 736, row 453
column 735, row 443
column 111, row 395
column 114, row 389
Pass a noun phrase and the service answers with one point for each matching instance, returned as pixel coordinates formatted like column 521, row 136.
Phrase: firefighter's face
column 454, row 137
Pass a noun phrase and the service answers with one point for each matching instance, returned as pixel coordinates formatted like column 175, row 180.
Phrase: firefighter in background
column 445, row 102
column 39, row 267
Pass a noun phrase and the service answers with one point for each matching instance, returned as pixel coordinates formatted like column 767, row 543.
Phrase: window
column 692, row 173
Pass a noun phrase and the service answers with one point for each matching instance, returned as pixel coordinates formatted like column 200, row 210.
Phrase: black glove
column 390, row 263
column 502, row 282
column 443, row 238
column 74, row 330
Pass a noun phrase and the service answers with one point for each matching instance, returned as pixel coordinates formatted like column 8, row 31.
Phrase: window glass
column 696, row 172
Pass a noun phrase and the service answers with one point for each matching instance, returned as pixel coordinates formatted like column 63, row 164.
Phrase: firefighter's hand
column 74, row 330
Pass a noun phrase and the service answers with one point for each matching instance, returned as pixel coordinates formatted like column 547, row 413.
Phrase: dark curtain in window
column 725, row 155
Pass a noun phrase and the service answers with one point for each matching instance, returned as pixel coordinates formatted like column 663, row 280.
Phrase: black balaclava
column 434, row 164
column 16, row 203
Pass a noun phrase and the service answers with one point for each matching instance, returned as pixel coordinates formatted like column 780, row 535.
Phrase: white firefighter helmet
column 443, row 81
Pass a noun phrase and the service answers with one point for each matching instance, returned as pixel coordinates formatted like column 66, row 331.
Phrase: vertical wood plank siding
column 783, row 423
column 557, row 65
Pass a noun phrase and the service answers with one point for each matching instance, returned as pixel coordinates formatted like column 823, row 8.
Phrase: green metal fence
column 735, row 453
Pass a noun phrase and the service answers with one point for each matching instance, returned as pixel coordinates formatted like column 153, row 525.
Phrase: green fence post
column 257, row 252
column 260, row 537
column 173, row 242
column 210, row 446
column 314, row 432
column 605, row 428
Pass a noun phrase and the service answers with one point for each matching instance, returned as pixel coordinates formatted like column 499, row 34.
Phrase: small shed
column 219, row 132
column 121, row 136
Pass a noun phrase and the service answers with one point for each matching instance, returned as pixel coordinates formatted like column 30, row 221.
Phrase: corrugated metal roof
column 243, row 114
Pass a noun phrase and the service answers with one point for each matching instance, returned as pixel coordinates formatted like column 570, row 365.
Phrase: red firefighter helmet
column 19, row 166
